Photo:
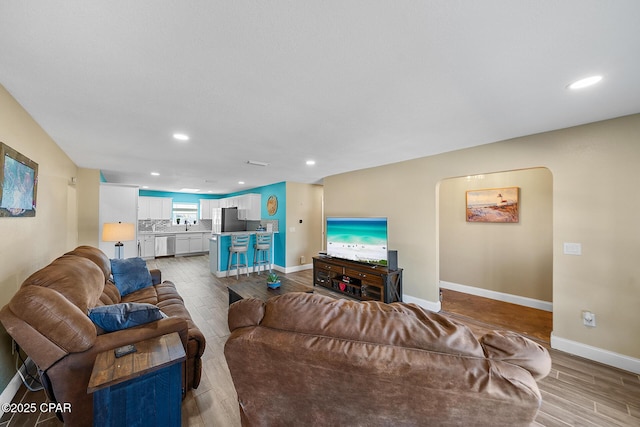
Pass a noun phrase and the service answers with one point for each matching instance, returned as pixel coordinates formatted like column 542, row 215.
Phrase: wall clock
column 272, row 205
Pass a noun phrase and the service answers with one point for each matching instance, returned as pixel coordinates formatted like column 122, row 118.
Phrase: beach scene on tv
column 358, row 239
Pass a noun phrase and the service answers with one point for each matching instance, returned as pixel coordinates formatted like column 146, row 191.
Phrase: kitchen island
column 219, row 251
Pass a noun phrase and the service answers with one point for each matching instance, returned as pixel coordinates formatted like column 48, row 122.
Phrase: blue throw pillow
column 130, row 274
column 124, row 315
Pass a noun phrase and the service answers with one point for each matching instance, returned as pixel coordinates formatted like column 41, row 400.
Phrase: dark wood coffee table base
column 260, row 290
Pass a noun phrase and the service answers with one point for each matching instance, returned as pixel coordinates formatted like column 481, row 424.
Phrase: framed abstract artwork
column 493, row 205
column 18, row 183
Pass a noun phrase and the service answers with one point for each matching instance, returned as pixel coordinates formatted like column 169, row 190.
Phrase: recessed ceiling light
column 189, row 190
column 155, row 173
column 311, row 162
column 145, row 186
column 582, row 83
column 181, row 136
column 241, row 182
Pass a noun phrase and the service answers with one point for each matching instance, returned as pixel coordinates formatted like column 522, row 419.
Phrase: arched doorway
column 507, row 262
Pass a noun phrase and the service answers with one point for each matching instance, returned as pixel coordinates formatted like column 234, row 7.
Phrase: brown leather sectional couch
column 307, row 359
column 48, row 318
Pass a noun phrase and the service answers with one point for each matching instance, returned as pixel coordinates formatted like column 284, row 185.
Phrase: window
column 184, row 212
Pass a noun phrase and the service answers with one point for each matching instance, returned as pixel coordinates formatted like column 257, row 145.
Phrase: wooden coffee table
column 259, row 289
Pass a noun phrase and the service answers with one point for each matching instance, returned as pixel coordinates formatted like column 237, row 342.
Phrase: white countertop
column 230, row 233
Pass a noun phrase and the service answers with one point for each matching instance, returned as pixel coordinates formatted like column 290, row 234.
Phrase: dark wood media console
column 358, row 280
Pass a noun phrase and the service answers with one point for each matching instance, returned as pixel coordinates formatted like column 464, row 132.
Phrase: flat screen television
column 18, row 183
column 358, row 239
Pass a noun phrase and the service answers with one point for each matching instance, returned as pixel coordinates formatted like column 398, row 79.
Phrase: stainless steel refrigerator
column 226, row 219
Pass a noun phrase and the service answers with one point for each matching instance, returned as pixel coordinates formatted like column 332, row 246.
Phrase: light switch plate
column 572, row 248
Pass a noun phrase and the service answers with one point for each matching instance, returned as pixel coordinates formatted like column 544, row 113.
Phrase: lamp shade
column 118, row 231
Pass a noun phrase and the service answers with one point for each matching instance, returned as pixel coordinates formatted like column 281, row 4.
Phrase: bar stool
column 261, row 254
column 239, row 246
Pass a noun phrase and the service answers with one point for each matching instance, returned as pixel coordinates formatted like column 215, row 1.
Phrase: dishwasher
column 165, row 245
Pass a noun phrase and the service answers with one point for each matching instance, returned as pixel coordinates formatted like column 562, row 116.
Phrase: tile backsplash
column 254, row 225
column 165, row 225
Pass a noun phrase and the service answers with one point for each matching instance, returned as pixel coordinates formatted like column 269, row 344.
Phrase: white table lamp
column 118, row 232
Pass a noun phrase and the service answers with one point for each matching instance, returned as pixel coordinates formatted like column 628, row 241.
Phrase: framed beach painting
column 493, row 205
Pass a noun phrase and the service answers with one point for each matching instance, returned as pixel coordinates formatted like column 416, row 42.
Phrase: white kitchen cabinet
column 229, row 202
column 167, row 208
column 155, row 207
column 148, row 246
column 195, row 243
column 243, row 205
column 249, row 207
column 206, row 207
column 189, row 243
column 182, row 244
column 144, row 207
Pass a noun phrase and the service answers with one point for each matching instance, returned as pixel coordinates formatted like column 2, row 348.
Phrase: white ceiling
column 350, row 84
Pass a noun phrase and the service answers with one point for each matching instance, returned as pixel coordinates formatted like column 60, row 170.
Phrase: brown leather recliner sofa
column 48, row 319
column 307, row 359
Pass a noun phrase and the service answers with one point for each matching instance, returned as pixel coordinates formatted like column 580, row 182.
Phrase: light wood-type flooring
column 578, row 392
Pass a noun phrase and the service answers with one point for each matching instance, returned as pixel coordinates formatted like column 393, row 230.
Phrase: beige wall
column 88, row 188
column 304, row 202
column 595, row 203
column 30, row 243
column 27, row 244
column 514, row 258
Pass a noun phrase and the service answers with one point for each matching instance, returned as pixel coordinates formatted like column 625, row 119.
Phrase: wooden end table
column 260, row 290
column 143, row 388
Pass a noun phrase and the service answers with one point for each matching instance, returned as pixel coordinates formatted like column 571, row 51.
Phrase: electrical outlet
column 589, row 319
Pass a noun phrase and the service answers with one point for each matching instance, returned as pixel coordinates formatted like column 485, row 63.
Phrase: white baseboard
column 429, row 305
column 596, row 354
column 572, row 347
column 274, row 267
column 297, row 268
column 233, row 272
column 500, row 296
column 10, row 391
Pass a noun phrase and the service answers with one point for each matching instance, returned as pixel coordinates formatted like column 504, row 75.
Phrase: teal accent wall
column 280, row 240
